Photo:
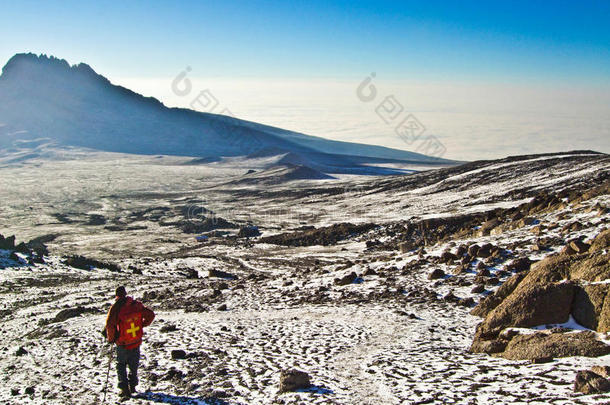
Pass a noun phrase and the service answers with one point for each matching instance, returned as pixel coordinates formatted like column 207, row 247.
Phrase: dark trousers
column 127, row 358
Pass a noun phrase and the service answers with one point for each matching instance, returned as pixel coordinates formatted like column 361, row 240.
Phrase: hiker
column 126, row 319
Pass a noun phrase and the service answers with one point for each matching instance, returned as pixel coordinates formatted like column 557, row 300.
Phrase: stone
column 601, row 242
column 579, row 246
column 518, row 265
column 21, row 352
column 178, row 354
column 473, row 250
column 557, row 344
column 447, row 257
column 213, row 273
column 485, row 251
column 477, row 289
column 406, row 247
column 293, row 380
column 436, row 274
column 531, row 305
column 604, row 371
column 491, row 346
column 568, row 251
column 493, row 300
column 347, row 279
column 589, row 382
column 591, row 307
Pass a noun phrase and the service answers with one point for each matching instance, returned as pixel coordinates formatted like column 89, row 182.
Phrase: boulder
column 447, row 257
column 486, row 227
column 461, row 250
column 493, row 300
column 292, row 380
column 551, row 269
column 7, row 243
column 557, row 344
column 178, row 354
column 406, row 247
column 518, row 265
column 473, row 250
column 436, row 274
column 221, row 274
column 591, row 307
column 579, row 246
column 568, row 251
column 248, row 231
column 595, row 267
column 601, row 242
column 604, row 371
column 491, row 346
column 531, row 305
column 347, row 279
column 485, row 250
column 589, row 382
column 477, row 289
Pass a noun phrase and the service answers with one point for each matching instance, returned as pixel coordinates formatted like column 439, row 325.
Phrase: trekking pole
column 107, row 375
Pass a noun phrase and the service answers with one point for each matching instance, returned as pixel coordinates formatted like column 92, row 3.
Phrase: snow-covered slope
column 342, row 303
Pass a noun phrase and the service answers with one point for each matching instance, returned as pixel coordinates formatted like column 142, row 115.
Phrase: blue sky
column 512, row 40
column 490, row 50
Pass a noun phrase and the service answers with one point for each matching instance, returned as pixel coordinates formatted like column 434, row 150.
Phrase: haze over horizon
column 487, row 80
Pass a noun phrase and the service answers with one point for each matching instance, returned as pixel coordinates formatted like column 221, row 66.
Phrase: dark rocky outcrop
column 321, row 236
column 85, row 263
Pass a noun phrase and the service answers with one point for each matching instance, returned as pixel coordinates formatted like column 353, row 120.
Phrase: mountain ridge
column 42, row 96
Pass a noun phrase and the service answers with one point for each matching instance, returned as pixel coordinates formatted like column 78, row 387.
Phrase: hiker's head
column 120, row 292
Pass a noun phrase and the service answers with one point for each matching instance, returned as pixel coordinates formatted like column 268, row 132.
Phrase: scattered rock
column 604, row 371
column 170, row 327
column 436, row 274
column 21, row 352
column 248, row 231
column 85, row 263
column 406, row 247
column 178, row 354
column 347, row 279
column 542, row 360
column 589, row 382
column 292, row 380
column 66, row 314
column 221, row 274
column 579, row 246
column 518, row 265
column 477, row 289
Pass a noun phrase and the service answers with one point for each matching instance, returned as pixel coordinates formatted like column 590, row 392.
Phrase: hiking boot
column 132, row 389
column 125, row 393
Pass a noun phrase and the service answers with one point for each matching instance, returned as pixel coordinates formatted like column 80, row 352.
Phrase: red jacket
column 126, row 319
